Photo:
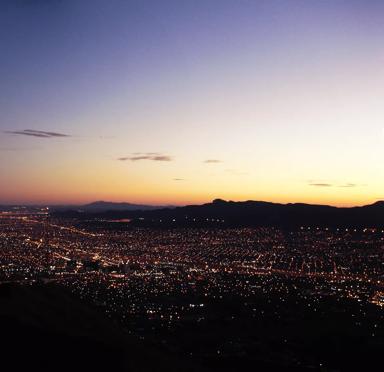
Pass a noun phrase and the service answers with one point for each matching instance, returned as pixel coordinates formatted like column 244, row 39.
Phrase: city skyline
column 169, row 103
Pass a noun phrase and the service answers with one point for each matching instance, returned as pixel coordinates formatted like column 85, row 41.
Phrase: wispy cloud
column 178, row 179
column 212, row 161
column 37, row 133
column 326, row 184
column 321, row 184
column 349, row 185
column 154, row 156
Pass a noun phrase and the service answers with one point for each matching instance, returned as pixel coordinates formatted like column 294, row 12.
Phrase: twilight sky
column 176, row 102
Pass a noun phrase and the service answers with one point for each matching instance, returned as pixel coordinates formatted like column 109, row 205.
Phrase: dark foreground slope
column 45, row 328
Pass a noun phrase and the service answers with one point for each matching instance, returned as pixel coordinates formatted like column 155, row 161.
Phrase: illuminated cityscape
column 159, row 283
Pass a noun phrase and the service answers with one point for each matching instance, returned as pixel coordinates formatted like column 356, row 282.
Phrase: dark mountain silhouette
column 101, row 206
column 104, row 206
column 252, row 213
column 94, row 207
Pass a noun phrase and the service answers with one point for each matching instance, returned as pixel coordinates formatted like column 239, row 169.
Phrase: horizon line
column 171, row 205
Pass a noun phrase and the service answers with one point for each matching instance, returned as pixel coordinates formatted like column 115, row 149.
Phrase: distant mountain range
column 105, row 206
column 95, row 207
column 235, row 214
column 102, row 206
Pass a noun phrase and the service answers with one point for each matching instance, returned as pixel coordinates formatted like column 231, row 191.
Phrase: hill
column 47, row 328
column 103, row 206
column 251, row 213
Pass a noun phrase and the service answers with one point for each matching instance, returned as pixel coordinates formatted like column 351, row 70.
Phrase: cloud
column 324, row 184
column 349, row 185
column 321, row 184
column 179, row 179
column 38, row 133
column 147, row 156
column 212, row 161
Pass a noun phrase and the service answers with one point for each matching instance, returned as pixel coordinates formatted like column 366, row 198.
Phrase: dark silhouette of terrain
column 95, row 207
column 249, row 213
column 46, row 328
column 105, row 206
column 102, row 206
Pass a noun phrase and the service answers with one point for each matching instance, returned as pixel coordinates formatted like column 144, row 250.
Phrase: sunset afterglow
column 168, row 102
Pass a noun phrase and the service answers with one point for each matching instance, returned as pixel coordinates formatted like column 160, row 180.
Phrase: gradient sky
column 178, row 102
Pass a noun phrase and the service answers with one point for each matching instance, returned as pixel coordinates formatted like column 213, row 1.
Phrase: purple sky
column 285, row 95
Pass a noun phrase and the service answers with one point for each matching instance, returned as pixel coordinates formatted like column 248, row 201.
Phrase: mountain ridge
column 102, row 205
column 251, row 213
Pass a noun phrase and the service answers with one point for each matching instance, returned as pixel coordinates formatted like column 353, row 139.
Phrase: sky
column 180, row 102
